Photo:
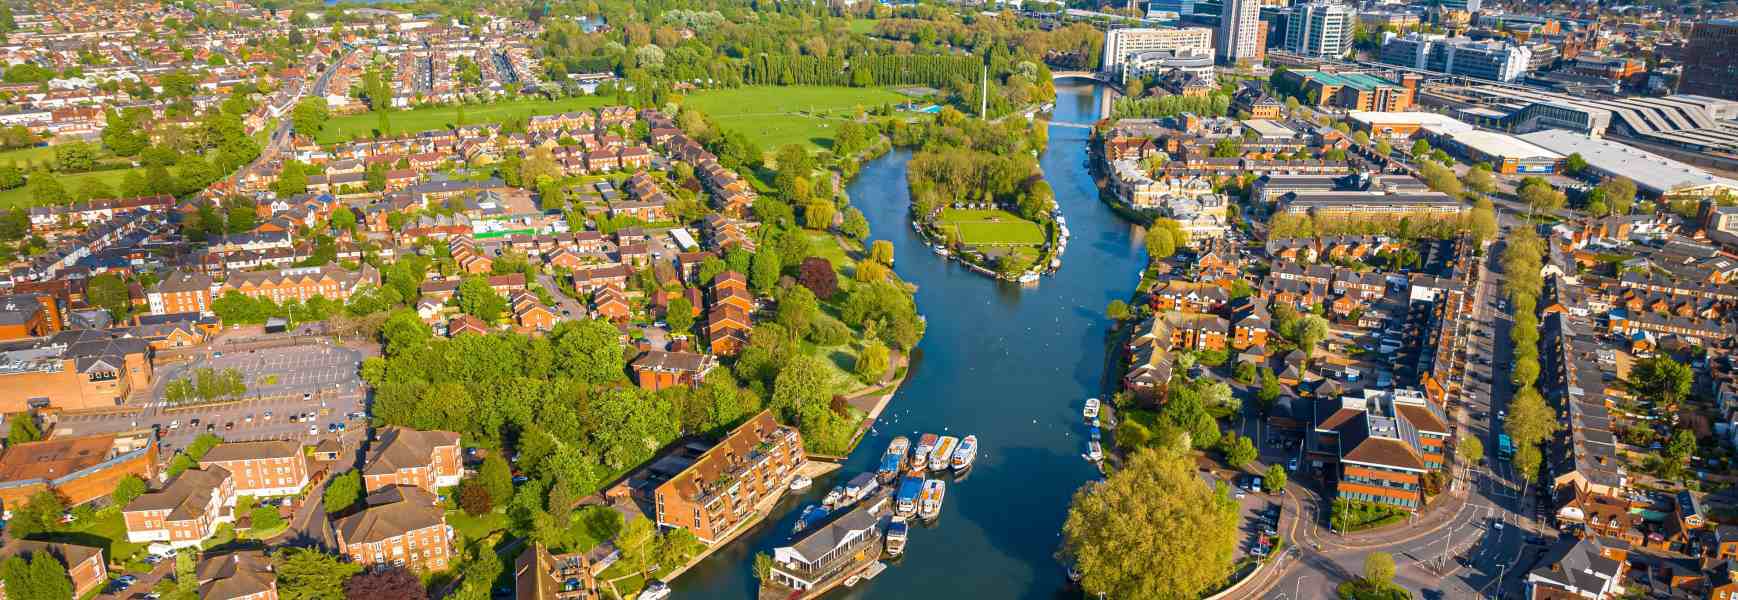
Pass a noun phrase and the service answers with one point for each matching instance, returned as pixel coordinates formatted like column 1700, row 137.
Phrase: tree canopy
column 1152, row 531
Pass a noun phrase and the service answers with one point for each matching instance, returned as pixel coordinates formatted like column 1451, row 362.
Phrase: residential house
column 399, row 526
column 184, row 513
column 426, row 459
column 263, row 468
column 656, row 369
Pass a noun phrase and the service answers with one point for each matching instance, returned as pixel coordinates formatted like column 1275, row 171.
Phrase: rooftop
column 1650, row 172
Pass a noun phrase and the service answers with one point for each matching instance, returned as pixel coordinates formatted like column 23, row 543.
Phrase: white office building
column 1491, row 60
column 1121, row 44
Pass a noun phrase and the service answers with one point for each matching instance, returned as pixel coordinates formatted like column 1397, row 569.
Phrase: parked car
column 312, row 430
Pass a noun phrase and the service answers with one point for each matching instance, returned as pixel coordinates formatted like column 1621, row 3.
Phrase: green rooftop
column 1357, row 81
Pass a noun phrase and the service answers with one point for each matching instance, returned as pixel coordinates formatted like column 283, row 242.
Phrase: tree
column 393, row 583
column 1273, row 480
column 109, row 292
column 1540, row 196
column 881, row 251
column 474, row 499
column 41, row 577
column 764, row 271
column 1526, row 462
column 310, row 115
column 310, row 574
column 292, row 180
column 1239, row 451
column 496, row 478
column 478, row 299
column 817, row 274
column 1574, row 164
column 1484, row 220
column 872, row 361
column 855, row 226
column 1682, row 446
column 679, row 315
column 1661, row 379
column 1311, row 330
column 637, row 541
column 1118, row 310
column 1530, row 420
column 1186, row 533
column 344, row 491
column 588, row 350
column 1379, row 567
column 40, row 514
column 1480, row 179
column 798, row 309
column 23, row 429
column 1470, row 449
column 1420, row 149
column 265, row 519
column 128, row 489
column 1160, row 244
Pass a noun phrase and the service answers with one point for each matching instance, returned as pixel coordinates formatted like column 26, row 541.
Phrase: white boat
column 897, row 531
column 800, row 483
column 1091, row 411
column 939, row 250
column 657, row 590
column 967, row 452
column 834, row 497
column 920, row 454
column 1094, row 452
column 939, row 459
column 860, row 487
column 1029, row 278
column 852, row 580
column 934, row 491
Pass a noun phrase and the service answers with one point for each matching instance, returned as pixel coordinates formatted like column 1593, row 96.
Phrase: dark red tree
column 395, row 583
column 817, row 274
column 474, row 498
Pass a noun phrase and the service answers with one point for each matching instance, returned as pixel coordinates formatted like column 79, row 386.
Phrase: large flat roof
column 1502, row 145
column 1651, row 172
column 1420, row 119
column 52, row 459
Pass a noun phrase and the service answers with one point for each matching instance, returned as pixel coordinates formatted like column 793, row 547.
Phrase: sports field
column 362, row 126
column 991, row 228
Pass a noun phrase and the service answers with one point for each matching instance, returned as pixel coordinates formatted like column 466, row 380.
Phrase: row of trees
column 206, row 384
column 1531, row 421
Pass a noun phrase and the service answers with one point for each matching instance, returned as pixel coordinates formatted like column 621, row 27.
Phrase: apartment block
column 181, row 292
column 399, row 526
column 1380, row 444
column 184, row 513
column 1711, row 60
column 300, row 283
column 264, row 468
column 719, row 490
column 407, row 457
column 245, row 575
column 84, row 564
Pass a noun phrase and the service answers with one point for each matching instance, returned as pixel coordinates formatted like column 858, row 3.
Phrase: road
column 1481, row 549
column 282, row 136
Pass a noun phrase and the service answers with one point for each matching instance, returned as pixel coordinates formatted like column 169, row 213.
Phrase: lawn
column 863, row 26
column 991, row 228
column 107, row 531
column 27, row 156
column 20, row 196
column 475, row 528
column 775, row 116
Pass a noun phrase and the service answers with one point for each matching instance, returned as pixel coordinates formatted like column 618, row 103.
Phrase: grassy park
column 991, row 228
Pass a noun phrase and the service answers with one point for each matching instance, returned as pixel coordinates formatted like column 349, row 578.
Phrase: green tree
column 1470, row 450
column 1379, row 567
column 310, row 115
column 872, row 361
column 344, row 491
column 1239, row 452
column 128, row 489
column 1530, row 420
column 109, row 292
column 1661, row 379
column 310, row 574
column 496, row 478
column 1311, row 330
column 478, row 299
column 680, row 315
column 1117, row 311
column 1273, row 480
column 1481, row 180
column 1186, row 533
column 1574, row 164
column 39, row 515
column 23, row 429
column 855, row 226
column 764, row 271
column 881, row 251
column 1160, row 244
column 588, row 350
column 1682, row 446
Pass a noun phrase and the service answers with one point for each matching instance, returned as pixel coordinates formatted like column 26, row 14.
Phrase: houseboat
column 893, row 461
column 939, row 459
column 920, row 455
column 967, row 452
column 897, row 531
column 812, row 514
column 933, row 492
column 1029, row 278
column 1091, row 411
column 835, row 498
column 910, row 492
column 800, row 483
column 860, row 487
column 1094, row 452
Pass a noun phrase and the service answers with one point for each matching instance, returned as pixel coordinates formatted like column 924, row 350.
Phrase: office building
column 1240, row 32
column 1319, row 29
column 1467, row 6
column 1490, row 60
column 1381, row 443
column 1197, row 62
column 1351, row 91
column 1170, row 9
column 1121, row 44
column 1711, row 60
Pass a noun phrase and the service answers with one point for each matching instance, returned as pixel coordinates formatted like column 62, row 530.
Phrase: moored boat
column 1094, row 452
column 920, row 454
column 910, row 493
column 812, row 514
column 800, row 483
column 834, row 497
column 893, row 461
column 1091, row 411
column 860, row 487
column 966, row 454
column 1029, row 278
column 933, row 492
column 939, row 459
column 897, row 532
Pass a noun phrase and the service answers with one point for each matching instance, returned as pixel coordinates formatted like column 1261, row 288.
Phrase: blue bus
column 1505, row 448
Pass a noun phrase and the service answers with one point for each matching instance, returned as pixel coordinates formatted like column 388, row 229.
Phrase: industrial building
column 1654, row 175
column 1693, row 124
column 1505, row 153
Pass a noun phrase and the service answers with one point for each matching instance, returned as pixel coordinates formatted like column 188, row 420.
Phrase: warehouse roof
column 1651, row 172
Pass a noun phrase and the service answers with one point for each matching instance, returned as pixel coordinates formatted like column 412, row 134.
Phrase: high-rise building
column 1239, row 23
column 1319, row 29
column 1491, row 60
column 1711, row 60
column 1120, row 44
column 1170, row 9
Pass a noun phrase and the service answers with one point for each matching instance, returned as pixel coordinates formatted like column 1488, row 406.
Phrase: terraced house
column 301, row 283
column 1383, row 442
column 425, row 459
column 720, row 489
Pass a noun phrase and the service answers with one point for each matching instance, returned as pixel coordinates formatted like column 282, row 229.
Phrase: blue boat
column 811, row 516
column 890, row 467
column 910, row 489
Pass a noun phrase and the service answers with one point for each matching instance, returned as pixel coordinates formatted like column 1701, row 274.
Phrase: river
column 1010, row 364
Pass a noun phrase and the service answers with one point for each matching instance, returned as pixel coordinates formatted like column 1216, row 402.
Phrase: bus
column 1505, row 448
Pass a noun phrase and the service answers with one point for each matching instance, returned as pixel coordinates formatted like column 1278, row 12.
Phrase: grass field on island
column 991, row 228
column 774, row 116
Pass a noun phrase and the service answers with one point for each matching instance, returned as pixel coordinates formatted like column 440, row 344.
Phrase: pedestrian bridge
column 1093, row 75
